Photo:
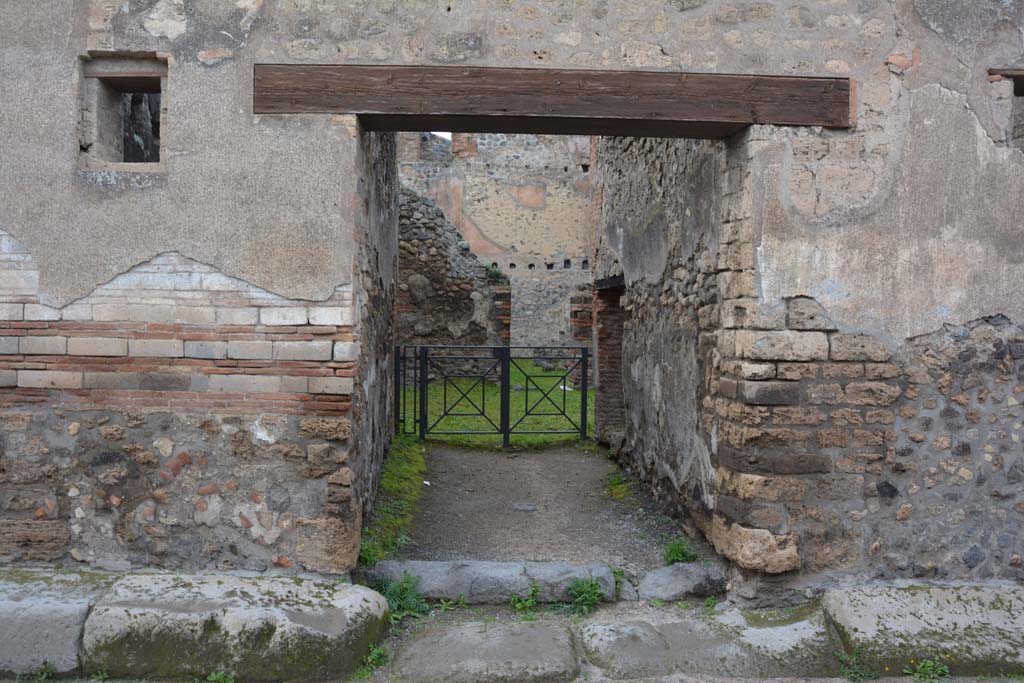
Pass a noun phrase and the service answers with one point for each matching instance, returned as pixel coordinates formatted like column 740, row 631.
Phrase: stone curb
column 481, row 582
column 164, row 626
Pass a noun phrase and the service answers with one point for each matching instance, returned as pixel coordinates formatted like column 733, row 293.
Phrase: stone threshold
column 481, row 582
column 175, row 626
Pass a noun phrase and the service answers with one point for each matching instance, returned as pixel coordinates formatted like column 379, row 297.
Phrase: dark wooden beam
column 478, row 99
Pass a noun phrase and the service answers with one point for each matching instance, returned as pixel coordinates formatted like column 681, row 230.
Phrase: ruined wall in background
column 444, row 294
column 522, row 202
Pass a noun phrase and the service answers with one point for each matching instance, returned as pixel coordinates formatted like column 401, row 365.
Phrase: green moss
column 401, row 483
column 618, row 487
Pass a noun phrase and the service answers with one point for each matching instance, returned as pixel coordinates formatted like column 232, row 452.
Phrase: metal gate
column 500, row 390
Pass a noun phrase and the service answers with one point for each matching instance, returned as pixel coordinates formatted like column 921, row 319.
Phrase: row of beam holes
column 566, row 265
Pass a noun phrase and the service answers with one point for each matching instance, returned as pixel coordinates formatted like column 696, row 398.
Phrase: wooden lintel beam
column 480, row 99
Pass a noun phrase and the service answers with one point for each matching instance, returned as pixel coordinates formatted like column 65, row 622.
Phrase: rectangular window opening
column 121, row 111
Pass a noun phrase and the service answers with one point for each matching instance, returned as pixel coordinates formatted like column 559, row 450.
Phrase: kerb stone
column 258, row 628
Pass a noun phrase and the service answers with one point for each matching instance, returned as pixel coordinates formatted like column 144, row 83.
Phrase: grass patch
column 586, row 595
column 404, row 597
column 678, row 550
column 401, row 481
column 618, row 486
column 528, row 602
column 375, row 659
column 488, row 396
column 927, row 670
column 853, row 669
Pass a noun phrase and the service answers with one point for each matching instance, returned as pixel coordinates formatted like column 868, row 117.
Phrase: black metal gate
column 500, row 390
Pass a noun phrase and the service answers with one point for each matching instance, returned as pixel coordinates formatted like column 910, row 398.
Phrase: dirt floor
column 545, row 505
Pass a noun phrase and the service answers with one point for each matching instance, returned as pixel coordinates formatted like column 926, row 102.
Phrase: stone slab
column 681, row 580
column 492, row 583
column 258, row 628
column 975, row 629
column 41, row 617
column 478, row 652
column 728, row 645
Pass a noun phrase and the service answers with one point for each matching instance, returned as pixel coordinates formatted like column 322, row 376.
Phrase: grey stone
column 725, row 645
column 977, row 629
column 492, row 583
column 524, row 507
column 478, row 652
column 554, row 579
column 682, row 580
column 477, row 582
column 41, row 617
column 260, row 628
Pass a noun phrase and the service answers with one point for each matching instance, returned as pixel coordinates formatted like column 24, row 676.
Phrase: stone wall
column 791, row 443
column 175, row 417
column 522, row 203
column 444, row 294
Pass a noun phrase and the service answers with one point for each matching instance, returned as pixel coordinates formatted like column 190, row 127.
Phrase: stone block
column 241, row 384
column 755, row 371
column 12, row 311
column 40, row 312
column 260, row 628
column 755, row 549
column 752, row 315
column 763, row 461
column 346, row 351
column 681, row 580
column 97, row 346
column 975, row 629
column 9, row 346
column 803, row 313
column 783, row 345
column 857, row 347
column 43, row 346
column 42, row 614
column 8, row 378
column 49, row 379
column 478, row 652
column 210, row 350
column 768, row 393
column 237, row 316
column 871, row 393
column 284, row 315
column 331, row 385
column 250, row 350
column 323, row 315
column 156, row 348
column 303, row 350
column 294, row 384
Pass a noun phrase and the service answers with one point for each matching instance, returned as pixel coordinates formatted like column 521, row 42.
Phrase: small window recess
column 122, row 113
column 1016, row 76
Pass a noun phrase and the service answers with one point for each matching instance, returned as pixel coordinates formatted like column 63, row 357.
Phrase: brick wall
column 609, row 319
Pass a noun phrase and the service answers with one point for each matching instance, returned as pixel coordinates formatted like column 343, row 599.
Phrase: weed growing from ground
column 100, row 676
column 620, row 576
column 710, row 603
column 853, row 669
column 40, row 675
column 527, row 603
column 404, row 597
column 401, row 480
column 927, row 670
column 374, row 659
column 220, row 677
column 586, row 595
column 678, row 550
column 618, row 487
column 656, row 603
